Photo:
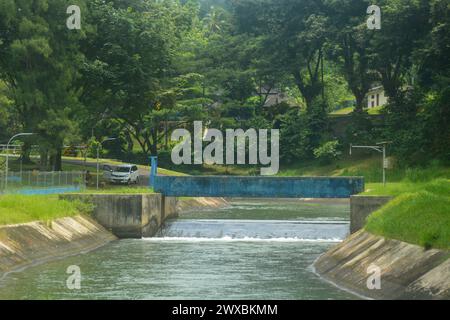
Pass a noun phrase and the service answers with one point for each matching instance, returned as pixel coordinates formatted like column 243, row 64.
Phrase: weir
column 258, row 186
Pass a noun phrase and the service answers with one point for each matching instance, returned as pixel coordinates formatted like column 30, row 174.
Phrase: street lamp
column 380, row 147
column 98, row 154
column 7, row 153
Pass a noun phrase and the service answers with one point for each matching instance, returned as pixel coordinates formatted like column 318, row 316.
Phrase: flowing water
column 251, row 250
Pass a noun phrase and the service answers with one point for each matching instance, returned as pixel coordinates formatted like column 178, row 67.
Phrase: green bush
column 327, row 152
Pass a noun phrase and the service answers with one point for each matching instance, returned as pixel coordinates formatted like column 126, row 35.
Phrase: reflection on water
column 246, row 256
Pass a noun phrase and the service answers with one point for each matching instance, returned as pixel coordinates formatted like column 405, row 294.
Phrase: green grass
column 439, row 186
column 343, row 111
column 116, row 163
column 421, row 218
column 120, row 190
column 21, row 209
column 368, row 166
column 419, row 213
column 346, row 111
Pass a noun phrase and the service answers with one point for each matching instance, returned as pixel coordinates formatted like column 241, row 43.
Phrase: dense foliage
column 136, row 70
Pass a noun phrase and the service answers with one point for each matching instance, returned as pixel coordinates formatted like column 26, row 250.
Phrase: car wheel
column 137, row 181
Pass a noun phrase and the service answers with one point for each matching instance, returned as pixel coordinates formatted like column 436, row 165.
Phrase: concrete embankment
column 129, row 215
column 37, row 242
column 114, row 216
column 361, row 207
column 140, row 215
column 193, row 204
column 407, row 271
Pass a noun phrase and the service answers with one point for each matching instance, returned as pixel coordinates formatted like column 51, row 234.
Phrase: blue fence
column 259, row 187
column 36, row 182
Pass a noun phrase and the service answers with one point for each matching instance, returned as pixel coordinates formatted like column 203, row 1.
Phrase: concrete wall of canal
column 361, row 207
column 407, row 271
column 130, row 215
column 27, row 244
column 141, row 215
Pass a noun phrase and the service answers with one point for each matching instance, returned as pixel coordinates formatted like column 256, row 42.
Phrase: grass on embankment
column 23, row 208
column 419, row 215
column 16, row 208
column 119, row 190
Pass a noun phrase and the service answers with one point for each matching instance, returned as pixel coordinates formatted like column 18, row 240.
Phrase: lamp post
column 7, row 152
column 98, row 155
column 380, row 147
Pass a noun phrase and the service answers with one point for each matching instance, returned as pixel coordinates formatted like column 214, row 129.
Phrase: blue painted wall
column 259, row 187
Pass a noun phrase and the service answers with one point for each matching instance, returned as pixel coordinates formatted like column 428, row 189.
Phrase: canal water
column 251, row 250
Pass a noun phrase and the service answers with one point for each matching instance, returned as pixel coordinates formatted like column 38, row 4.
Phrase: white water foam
column 244, row 239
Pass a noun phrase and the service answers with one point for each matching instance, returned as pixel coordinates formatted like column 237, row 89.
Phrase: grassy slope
column 370, row 167
column 419, row 215
column 14, row 165
column 115, row 162
column 20, row 209
column 119, row 190
column 24, row 208
column 346, row 111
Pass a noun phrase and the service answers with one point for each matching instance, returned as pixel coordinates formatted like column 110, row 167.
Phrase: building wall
column 373, row 101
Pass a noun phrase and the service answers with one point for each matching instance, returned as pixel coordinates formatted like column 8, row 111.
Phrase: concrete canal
column 254, row 249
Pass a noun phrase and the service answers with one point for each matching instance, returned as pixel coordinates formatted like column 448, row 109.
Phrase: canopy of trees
column 136, row 70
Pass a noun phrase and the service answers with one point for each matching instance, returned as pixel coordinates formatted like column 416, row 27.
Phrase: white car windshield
column 123, row 169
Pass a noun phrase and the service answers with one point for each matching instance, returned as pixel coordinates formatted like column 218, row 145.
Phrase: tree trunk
column 130, row 143
column 57, row 166
column 43, row 161
column 25, row 154
column 359, row 101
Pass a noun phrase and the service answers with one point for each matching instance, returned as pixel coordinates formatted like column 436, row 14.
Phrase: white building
column 376, row 97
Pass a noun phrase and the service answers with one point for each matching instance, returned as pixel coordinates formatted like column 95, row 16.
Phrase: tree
column 352, row 50
column 130, row 65
column 295, row 33
column 404, row 24
column 39, row 64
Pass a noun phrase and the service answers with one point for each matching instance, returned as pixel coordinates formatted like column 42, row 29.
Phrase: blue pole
column 153, row 170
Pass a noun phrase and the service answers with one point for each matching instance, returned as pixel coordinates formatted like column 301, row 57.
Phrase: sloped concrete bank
column 32, row 243
column 200, row 203
column 407, row 271
column 114, row 216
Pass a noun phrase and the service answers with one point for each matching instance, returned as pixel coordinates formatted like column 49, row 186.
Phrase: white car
column 127, row 173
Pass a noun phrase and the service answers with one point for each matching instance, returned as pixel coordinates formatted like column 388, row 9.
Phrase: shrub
column 327, row 152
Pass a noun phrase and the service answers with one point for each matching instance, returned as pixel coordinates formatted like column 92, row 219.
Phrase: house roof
column 378, row 88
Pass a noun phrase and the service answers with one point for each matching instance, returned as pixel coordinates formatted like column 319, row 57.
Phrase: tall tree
column 130, row 64
column 295, row 35
column 404, row 24
column 39, row 63
column 352, row 46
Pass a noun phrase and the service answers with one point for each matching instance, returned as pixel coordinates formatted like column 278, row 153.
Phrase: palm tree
column 213, row 20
